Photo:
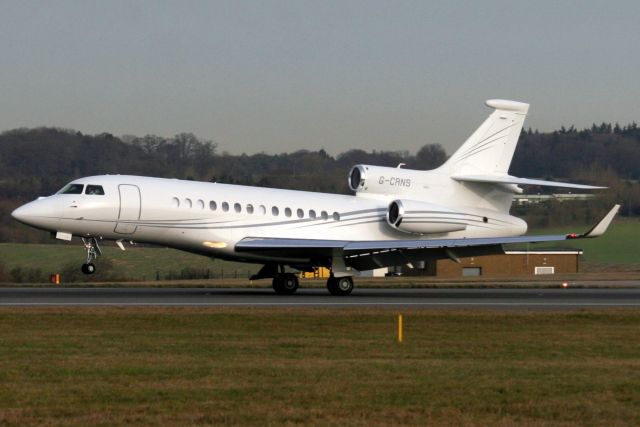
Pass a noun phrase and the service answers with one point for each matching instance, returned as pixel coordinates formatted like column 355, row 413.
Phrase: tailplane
column 482, row 163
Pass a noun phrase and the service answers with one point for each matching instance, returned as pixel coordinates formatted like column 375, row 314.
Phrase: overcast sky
column 280, row 76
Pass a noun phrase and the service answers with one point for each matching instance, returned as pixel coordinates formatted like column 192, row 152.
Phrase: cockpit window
column 72, row 189
column 95, row 190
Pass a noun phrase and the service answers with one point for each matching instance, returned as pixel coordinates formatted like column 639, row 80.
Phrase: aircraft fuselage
column 209, row 218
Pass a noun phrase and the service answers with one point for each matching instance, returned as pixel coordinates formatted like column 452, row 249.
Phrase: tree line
column 39, row 161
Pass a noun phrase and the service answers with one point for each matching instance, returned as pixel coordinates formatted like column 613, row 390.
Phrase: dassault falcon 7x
column 397, row 216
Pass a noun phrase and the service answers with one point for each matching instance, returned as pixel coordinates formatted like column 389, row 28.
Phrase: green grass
column 318, row 367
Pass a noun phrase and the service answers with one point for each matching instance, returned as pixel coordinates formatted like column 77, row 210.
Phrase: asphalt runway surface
column 555, row 298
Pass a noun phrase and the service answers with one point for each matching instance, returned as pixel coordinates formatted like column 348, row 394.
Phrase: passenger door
column 130, row 207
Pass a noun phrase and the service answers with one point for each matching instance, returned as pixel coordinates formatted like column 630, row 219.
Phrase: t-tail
column 486, row 156
column 475, row 176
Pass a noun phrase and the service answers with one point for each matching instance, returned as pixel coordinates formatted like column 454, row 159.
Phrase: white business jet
column 397, row 216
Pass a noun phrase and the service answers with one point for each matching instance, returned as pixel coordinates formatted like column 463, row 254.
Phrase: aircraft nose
column 20, row 213
column 35, row 212
column 23, row 212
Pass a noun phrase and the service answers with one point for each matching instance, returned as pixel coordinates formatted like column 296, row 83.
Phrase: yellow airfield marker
column 400, row 328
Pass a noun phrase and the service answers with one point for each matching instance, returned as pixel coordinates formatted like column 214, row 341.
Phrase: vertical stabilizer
column 490, row 148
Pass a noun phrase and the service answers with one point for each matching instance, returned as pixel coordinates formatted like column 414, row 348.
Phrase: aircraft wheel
column 285, row 284
column 89, row 268
column 340, row 285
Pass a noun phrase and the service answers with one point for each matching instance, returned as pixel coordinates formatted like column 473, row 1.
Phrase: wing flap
column 448, row 243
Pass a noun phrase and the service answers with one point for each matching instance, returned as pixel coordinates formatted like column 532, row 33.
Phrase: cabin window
column 250, row 208
column 336, row 216
column 213, row 205
column 188, row 203
column 95, row 190
column 225, row 206
column 200, row 204
column 262, row 210
column 312, row 214
column 237, row 207
column 175, row 202
column 287, row 212
column 275, row 211
column 72, row 189
column 300, row 213
column 324, row 215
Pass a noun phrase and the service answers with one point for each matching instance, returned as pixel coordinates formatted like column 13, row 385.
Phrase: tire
column 340, row 286
column 88, row 268
column 285, row 284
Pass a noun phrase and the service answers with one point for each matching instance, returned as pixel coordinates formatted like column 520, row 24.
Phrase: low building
column 511, row 264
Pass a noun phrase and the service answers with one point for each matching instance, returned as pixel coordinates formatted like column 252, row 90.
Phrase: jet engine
column 412, row 216
column 383, row 180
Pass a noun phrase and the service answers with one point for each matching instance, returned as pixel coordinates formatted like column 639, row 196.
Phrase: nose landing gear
column 93, row 252
column 88, row 268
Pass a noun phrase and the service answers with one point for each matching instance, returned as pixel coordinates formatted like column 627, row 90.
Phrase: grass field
column 318, row 367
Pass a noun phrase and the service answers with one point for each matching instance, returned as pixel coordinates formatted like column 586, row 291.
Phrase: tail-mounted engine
column 383, row 180
column 417, row 217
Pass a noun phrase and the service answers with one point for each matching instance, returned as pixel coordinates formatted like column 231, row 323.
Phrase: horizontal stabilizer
column 508, row 179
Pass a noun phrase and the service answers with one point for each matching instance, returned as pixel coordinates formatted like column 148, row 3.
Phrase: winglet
column 600, row 228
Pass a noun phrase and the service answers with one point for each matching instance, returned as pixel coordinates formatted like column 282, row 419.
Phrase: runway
column 242, row 297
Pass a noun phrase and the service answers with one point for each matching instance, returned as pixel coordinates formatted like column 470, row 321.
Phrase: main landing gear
column 285, row 283
column 93, row 251
column 340, row 285
column 288, row 283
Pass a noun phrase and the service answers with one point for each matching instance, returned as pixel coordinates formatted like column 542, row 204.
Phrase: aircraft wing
column 369, row 254
column 258, row 244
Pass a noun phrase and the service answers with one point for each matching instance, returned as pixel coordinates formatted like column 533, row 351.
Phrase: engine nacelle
column 383, row 180
column 412, row 216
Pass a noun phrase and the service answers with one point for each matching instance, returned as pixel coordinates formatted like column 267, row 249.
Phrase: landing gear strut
column 340, row 285
column 93, row 251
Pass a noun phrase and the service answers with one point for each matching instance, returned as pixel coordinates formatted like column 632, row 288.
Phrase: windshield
column 95, row 190
column 72, row 189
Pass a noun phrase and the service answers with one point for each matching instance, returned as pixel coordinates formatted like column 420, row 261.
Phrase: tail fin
column 490, row 148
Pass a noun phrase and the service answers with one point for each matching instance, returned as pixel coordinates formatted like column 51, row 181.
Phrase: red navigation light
column 572, row 236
